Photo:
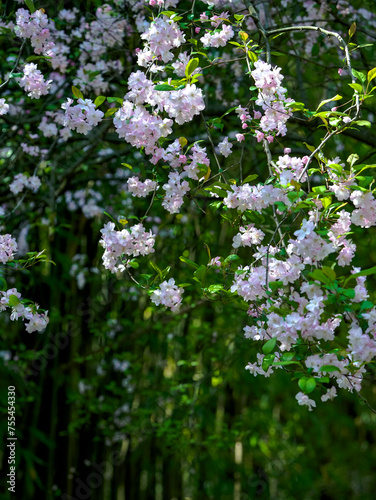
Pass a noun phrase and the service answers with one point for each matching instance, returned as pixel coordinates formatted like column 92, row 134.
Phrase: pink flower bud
column 259, row 136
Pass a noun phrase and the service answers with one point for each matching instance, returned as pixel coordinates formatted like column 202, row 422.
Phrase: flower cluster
column 218, row 38
column 365, row 213
column 181, row 63
column 141, row 189
column 175, row 191
column 33, row 81
column 21, row 181
column 168, row 294
column 247, row 197
column 83, row 116
column 86, row 199
column 174, row 156
column 36, row 321
column 106, row 31
column 139, row 127
column 337, row 235
column 271, row 97
column 33, row 150
column 304, row 400
column 34, row 26
column 130, row 243
column 8, row 247
column 142, row 128
column 4, row 107
column 162, row 36
column 290, row 168
column 248, row 236
column 225, row 147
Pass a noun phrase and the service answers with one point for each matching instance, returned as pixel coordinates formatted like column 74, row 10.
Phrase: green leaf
column 215, row 288
column 362, row 123
column 269, row 346
column 250, row 178
column 310, row 148
column 366, row 305
column 3, row 284
column 307, row 384
column 164, row 87
column 335, row 98
column 238, row 17
column 353, row 158
column 167, row 13
column 191, row 66
column 366, row 272
column 14, row 300
column 357, row 87
column 115, row 99
column 286, row 363
column 329, row 368
column 360, row 76
column 110, row 112
column 77, row 93
column 156, row 268
column 318, row 275
column 99, row 100
column 37, row 58
column 134, row 264
column 267, row 361
column 232, row 257
column 30, row 5
column 237, row 44
column 200, row 274
column 319, row 189
column 352, row 30
column 189, row 262
column 371, row 75
column 336, row 167
column 287, row 356
column 127, row 166
column 329, row 272
column 349, row 293
column 326, row 201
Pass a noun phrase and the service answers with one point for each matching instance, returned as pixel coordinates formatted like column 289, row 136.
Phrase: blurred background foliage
column 168, row 393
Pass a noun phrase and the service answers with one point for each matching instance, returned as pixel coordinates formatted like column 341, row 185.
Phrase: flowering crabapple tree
column 201, row 171
column 289, row 258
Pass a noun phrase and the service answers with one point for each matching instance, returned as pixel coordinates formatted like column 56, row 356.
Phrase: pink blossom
column 304, row 400
column 248, row 236
column 168, row 295
column 8, row 247
column 225, row 147
column 83, row 116
column 132, row 243
column 175, row 191
column 141, row 189
column 33, row 81
column 4, row 107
